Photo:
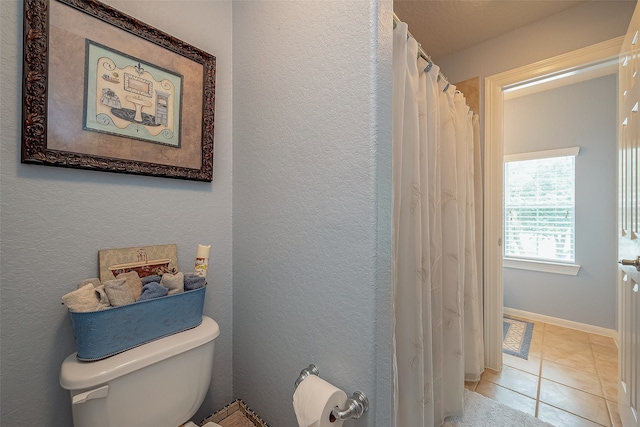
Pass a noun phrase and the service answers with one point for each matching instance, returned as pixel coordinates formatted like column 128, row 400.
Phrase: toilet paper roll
column 313, row 401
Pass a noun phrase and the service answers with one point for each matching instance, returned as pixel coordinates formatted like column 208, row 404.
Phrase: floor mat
column 480, row 411
column 516, row 337
column 236, row 414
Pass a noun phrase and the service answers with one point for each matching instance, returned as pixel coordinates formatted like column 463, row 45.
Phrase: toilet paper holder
column 356, row 405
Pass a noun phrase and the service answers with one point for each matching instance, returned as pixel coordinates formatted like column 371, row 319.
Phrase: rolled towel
column 152, row 278
column 134, row 282
column 153, row 290
column 119, row 292
column 102, row 295
column 193, row 281
column 173, row 282
column 84, row 299
column 94, row 281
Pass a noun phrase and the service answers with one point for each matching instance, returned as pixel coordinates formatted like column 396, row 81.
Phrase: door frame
column 493, row 177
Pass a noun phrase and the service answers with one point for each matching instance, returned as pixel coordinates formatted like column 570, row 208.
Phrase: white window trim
column 532, row 264
column 547, row 154
column 542, row 266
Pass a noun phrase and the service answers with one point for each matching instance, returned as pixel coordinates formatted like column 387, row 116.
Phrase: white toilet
column 158, row 384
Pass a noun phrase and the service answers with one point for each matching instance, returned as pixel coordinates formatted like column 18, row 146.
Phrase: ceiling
column 443, row 27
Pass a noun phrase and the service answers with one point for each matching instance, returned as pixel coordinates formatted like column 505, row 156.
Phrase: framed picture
column 145, row 260
column 104, row 91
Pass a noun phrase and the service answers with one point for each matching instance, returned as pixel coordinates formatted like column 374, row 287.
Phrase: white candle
column 202, row 260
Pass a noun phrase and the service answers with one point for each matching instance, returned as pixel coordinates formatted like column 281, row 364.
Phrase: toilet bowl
column 158, row 384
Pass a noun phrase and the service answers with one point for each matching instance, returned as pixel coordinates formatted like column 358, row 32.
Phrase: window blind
column 540, row 209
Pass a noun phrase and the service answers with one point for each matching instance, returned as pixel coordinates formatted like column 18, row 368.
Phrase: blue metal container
column 100, row 334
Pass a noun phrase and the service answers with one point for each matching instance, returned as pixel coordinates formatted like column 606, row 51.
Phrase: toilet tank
column 161, row 383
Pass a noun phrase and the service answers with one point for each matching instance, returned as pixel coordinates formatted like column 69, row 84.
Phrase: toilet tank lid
column 77, row 375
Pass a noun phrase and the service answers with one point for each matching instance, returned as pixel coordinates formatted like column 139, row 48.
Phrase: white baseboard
column 597, row 330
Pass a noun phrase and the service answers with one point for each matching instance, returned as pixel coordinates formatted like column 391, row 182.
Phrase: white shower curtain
column 437, row 313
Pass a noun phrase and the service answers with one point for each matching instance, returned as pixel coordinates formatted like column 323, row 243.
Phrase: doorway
column 493, row 179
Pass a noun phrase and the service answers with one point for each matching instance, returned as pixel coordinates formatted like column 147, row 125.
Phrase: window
column 539, row 206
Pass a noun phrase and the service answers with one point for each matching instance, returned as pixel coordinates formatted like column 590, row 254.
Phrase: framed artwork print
column 144, row 260
column 104, row 91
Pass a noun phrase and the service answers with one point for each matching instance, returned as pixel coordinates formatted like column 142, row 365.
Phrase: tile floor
column 569, row 380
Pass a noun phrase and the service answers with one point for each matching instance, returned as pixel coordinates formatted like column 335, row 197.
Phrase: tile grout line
column 595, row 361
column 540, row 372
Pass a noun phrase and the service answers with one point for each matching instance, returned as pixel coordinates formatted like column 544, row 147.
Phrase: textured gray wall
column 582, row 114
column 311, row 202
column 54, row 221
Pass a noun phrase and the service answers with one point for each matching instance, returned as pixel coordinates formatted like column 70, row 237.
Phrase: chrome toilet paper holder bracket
column 356, row 405
column 310, row 370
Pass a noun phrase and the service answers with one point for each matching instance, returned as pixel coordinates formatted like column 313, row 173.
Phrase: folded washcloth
column 173, row 282
column 84, row 299
column 152, row 278
column 119, row 292
column 94, row 281
column 152, row 290
column 133, row 281
column 193, row 281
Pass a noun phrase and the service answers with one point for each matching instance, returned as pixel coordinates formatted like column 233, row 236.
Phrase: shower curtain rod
column 421, row 52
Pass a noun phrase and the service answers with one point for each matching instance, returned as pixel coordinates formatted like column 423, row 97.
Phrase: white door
column 629, row 217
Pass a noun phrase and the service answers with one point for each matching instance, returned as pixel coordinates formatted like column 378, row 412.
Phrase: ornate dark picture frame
column 55, row 87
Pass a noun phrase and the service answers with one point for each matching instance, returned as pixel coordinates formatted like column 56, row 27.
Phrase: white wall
column 54, row 221
column 581, row 114
column 312, row 201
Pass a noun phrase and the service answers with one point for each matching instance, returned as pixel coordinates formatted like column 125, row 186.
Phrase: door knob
column 634, row 262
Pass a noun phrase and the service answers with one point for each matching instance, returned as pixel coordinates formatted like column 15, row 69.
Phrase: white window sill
column 544, row 266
